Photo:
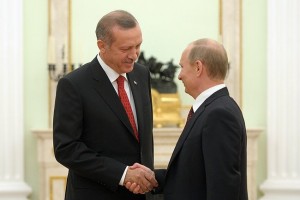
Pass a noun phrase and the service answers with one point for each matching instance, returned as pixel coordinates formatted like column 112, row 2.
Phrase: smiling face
column 124, row 49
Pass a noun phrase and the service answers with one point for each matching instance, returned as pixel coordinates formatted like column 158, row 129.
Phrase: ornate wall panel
column 59, row 46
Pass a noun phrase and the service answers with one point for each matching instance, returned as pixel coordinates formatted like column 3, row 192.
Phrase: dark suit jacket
column 93, row 137
column 209, row 160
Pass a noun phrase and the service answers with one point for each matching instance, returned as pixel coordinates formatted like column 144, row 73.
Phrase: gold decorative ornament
column 166, row 109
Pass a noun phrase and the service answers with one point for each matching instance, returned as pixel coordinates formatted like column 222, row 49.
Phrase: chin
column 188, row 92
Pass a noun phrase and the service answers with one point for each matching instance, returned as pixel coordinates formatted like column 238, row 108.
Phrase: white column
column 283, row 127
column 231, row 36
column 12, row 185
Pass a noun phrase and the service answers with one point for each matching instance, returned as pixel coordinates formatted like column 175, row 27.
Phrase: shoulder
column 83, row 71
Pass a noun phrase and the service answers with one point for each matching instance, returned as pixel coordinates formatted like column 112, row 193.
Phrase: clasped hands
column 140, row 179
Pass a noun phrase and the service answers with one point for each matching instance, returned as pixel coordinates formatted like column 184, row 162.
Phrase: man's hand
column 139, row 179
column 134, row 188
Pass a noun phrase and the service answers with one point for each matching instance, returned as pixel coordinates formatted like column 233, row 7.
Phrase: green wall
column 35, row 84
column 167, row 29
column 254, row 75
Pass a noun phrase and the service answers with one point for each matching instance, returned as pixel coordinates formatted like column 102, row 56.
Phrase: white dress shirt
column 205, row 94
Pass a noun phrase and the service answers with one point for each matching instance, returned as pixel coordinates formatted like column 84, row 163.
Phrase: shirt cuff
column 123, row 177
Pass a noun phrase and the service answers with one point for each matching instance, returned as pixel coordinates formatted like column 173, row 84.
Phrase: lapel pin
column 135, row 82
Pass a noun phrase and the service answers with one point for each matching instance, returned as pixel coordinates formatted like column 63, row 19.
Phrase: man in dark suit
column 209, row 160
column 96, row 135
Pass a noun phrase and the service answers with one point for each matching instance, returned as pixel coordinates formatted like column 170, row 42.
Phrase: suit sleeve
column 69, row 149
column 160, row 175
column 222, row 147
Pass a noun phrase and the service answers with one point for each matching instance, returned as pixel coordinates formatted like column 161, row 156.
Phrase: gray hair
column 213, row 55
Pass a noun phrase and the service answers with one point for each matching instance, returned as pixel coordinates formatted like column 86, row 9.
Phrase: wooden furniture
column 53, row 175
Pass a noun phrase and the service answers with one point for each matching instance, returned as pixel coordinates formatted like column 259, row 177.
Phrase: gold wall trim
column 70, row 35
column 221, row 19
column 241, row 54
column 49, row 81
column 52, row 179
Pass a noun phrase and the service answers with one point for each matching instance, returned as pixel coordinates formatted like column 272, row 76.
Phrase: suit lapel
column 107, row 92
column 189, row 125
column 185, row 132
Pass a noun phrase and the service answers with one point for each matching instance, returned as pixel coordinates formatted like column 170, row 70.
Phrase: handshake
column 140, row 179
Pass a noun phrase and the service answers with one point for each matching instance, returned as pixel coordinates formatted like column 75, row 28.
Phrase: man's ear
column 199, row 67
column 101, row 46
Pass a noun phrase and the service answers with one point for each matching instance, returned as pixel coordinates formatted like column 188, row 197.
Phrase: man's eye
column 125, row 49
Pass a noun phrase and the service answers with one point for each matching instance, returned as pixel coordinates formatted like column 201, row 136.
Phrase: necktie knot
column 120, row 81
column 191, row 112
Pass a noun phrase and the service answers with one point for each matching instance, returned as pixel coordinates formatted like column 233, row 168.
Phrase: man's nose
column 179, row 76
column 134, row 54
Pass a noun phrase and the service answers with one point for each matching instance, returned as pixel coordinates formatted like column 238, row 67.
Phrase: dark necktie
column 191, row 112
column 126, row 104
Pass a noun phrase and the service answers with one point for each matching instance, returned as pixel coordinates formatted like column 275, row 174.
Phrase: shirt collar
column 112, row 75
column 205, row 94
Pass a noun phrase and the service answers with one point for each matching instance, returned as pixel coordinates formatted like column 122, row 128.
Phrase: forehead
column 130, row 36
column 185, row 54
